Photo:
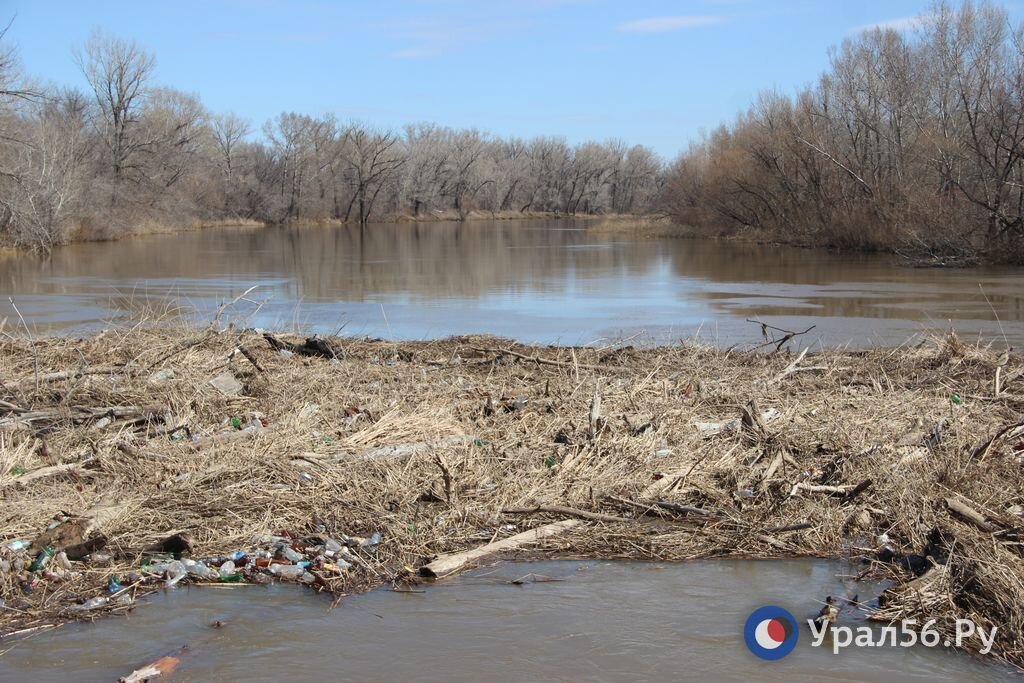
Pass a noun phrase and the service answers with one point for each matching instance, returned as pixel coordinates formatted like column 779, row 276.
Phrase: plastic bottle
column 175, row 572
column 61, row 560
column 91, row 603
column 199, row 569
column 42, row 559
column 286, row 571
column 227, row 569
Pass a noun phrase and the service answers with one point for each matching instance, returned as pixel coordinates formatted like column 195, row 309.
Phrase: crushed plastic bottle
column 175, row 572
column 17, row 544
column 226, row 569
column 287, row 571
column 290, row 554
column 199, row 569
column 91, row 604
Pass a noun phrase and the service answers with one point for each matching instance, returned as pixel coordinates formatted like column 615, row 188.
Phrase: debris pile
column 138, row 459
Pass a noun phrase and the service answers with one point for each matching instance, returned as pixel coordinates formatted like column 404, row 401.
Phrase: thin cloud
column 417, row 53
column 321, row 37
column 897, row 24
column 664, row 24
column 425, row 40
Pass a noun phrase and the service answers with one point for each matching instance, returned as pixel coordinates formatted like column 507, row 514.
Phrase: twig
column 787, row 334
column 563, row 510
column 547, row 361
column 31, row 340
column 223, row 307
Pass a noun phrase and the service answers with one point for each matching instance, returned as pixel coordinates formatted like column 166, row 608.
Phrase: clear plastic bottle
column 91, row 603
column 288, row 572
column 195, row 568
column 62, row 561
column 175, row 572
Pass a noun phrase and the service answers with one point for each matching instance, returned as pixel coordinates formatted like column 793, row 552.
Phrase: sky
column 650, row 72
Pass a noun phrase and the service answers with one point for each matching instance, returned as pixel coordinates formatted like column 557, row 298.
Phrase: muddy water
column 597, row 622
column 537, row 281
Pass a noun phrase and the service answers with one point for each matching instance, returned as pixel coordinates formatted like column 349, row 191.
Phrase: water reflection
column 542, row 281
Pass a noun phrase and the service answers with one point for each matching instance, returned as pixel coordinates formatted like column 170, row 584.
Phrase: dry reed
column 433, row 444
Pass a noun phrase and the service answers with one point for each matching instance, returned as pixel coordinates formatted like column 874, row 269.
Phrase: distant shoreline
column 80, row 234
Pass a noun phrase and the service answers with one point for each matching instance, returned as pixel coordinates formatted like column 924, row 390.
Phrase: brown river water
column 536, row 281
column 599, row 621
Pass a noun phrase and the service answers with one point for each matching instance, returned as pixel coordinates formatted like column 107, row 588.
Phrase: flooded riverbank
column 545, row 281
column 581, row 621
column 141, row 458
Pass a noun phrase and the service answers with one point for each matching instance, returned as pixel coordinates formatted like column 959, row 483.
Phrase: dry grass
column 512, row 432
column 639, row 227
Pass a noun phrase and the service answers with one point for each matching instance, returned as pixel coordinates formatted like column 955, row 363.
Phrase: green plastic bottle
column 42, row 559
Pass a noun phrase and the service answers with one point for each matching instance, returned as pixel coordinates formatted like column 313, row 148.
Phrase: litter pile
column 311, row 559
column 137, row 459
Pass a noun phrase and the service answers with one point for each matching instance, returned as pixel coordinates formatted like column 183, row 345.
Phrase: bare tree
column 372, row 159
column 44, row 181
column 118, row 72
column 229, row 131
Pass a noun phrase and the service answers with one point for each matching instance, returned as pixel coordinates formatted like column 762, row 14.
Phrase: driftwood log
column 447, row 565
column 313, row 346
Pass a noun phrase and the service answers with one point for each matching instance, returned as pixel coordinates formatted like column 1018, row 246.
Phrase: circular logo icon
column 771, row 632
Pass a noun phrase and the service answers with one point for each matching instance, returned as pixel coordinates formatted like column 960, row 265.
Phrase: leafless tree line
column 908, row 142
column 130, row 152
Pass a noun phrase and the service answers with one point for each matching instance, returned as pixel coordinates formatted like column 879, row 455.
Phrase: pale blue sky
column 646, row 71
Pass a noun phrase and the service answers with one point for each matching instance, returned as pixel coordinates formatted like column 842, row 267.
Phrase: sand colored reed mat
column 465, row 451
